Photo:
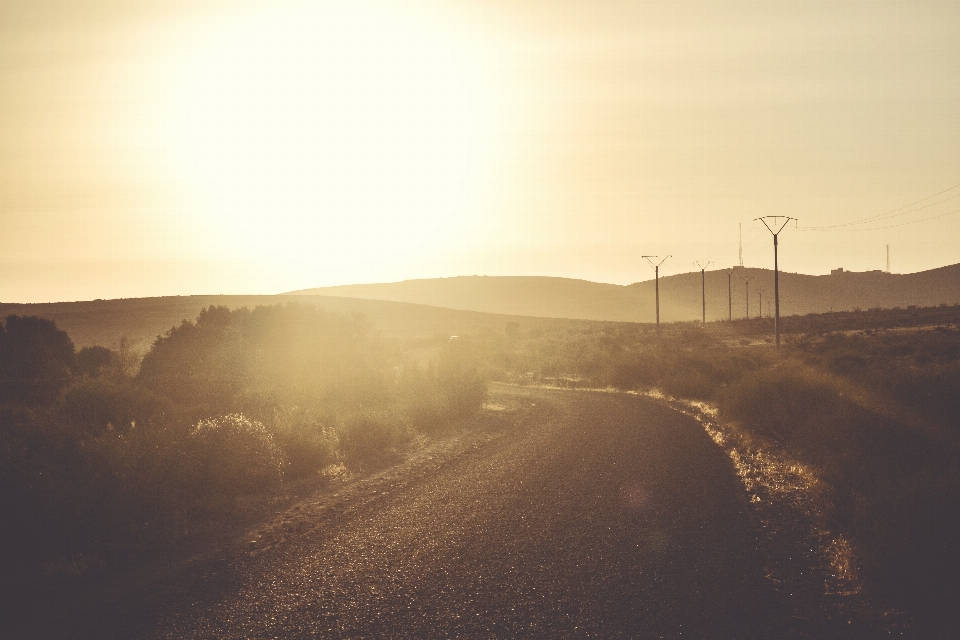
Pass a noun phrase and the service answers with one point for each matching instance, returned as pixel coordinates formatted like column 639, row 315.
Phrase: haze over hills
column 470, row 304
column 680, row 295
column 141, row 320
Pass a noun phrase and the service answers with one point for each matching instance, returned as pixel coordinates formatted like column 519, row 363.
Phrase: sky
column 170, row 148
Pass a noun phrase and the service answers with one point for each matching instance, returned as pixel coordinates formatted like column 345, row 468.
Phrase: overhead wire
column 903, row 224
column 891, row 213
column 880, row 217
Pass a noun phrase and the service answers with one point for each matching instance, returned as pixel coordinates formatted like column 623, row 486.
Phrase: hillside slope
column 679, row 294
column 141, row 320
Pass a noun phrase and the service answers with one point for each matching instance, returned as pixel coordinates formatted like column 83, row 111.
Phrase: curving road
column 577, row 515
column 564, row 514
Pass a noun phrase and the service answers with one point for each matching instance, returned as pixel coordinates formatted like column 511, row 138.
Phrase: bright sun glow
column 340, row 140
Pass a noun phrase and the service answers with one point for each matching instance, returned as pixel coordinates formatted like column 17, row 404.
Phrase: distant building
column 841, row 272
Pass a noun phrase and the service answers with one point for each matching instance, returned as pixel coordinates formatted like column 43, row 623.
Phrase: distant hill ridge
column 679, row 294
column 141, row 320
column 471, row 304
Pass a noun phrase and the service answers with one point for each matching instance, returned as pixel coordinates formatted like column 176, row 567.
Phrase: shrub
column 92, row 406
column 371, row 442
column 95, row 361
column 462, row 388
column 306, row 440
column 235, row 455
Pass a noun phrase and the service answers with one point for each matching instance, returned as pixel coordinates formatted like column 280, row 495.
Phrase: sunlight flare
column 332, row 135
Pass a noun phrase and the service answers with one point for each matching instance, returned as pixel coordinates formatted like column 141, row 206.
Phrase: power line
column 904, row 224
column 882, row 217
column 892, row 213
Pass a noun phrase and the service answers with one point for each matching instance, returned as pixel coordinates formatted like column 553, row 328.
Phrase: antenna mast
column 888, row 258
column 741, row 245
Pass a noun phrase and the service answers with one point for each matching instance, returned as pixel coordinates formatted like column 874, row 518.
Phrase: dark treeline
column 101, row 462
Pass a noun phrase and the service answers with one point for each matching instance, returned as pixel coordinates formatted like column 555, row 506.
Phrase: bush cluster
column 223, row 413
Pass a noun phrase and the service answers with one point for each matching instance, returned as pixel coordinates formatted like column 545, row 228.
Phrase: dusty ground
column 572, row 514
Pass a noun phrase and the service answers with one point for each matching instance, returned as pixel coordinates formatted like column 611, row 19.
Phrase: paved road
column 576, row 514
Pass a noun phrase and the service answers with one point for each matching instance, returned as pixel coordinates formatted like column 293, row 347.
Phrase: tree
column 35, row 359
column 94, row 362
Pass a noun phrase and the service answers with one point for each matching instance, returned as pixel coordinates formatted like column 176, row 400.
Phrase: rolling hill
column 473, row 304
column 141, row 320
column 680, row 296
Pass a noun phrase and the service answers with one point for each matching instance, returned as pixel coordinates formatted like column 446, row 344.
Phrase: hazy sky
column 158, row 148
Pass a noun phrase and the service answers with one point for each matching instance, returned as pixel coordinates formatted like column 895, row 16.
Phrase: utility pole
column 746, row 283
column 888, row 258
column 703, row 288
column 729, row 295
column 656, row 271
column 774, row 222
column 760, row 302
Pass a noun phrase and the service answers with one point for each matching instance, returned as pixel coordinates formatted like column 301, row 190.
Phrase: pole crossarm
column 651, row 261
column 774, row 221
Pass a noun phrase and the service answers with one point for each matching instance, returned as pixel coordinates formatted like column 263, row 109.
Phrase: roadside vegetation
column 106, row 458
column 102, row 462
column 870, row 400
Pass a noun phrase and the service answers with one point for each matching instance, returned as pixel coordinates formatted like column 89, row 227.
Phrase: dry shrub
column 371, row 442
column 235, row 454
column 308, row 442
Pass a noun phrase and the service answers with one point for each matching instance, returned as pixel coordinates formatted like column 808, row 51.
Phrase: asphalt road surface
column 576, row 515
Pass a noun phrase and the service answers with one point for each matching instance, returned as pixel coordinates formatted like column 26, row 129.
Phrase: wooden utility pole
column 774, row 222
column 729, row 295
column 703, row 289
column 746, row 283
column 656, row 271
